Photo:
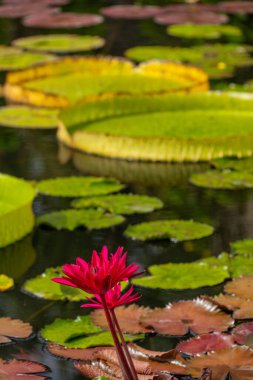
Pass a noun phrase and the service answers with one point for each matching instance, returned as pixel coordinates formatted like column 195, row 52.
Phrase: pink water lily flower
column 103, row 273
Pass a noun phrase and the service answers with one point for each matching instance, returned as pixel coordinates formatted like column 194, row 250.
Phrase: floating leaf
column 242, row 308
column 215, row 179
column 197, row 316
column 16, row 216
column 42, row 286
column 235, row 362
column 43, row 2
column 28, row 117
column 128, row 317
column 176, row 230
column 241, row 287
column 242, row 333
column 16, row 10
column 17, row 60
column 71, row 219
column 5, row 282
column 241, row 265
column 59, row 43
column 240, row 7
column 79, row 333
column 242, row 247
column 121, row 203
column 73, row 353
column 22, row 369
column 59, row 20
column 206, row 31
column 130, row 12
column 191, row 17
column 205, row 343
column 186, row 275
column 13, row 329
column 244, row 165
column 78, row 186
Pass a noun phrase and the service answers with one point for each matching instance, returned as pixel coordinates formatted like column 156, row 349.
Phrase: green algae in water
column 176, row 230
column 215, row 179
column 79, row 186
column 72, row 219
column 121, row 203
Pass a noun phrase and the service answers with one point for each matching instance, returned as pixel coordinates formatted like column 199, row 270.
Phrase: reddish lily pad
column 242, row 333
column 13, row 328
column 17, row 10
column 237, row 362
column 236, row 7
column 128, row 318
column 22, row 369
column 241, row 287
column 242, row 308
column 131, row 12
column 42, row 2
column 197, row 316
column 191, row 17
column 205, row 343
column 74, row 353
column 62, row 20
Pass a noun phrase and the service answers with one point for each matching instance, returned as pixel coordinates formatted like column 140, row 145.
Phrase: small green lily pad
column 71, row 219
column 186, row 275
column 176, row 230
column 79, row 186
column 79, row 333
column 242, row 247
column 15, row 59
column 241, row 265
column 60, row 43
column 215, row 179
column 42, row 286
column 244, row 165
column 121, row 203
column 206, row 31
column 5, row 282
column 28, row 117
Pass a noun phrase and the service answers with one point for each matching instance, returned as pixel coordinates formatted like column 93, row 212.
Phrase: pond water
column 35, row 155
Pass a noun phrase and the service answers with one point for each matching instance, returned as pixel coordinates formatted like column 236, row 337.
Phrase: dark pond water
column 35, row 155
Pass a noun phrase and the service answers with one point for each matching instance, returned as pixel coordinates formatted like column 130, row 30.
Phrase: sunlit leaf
column 28, row 117
column 78, row 186
column 242, row 247
column 22, row 369
column 17, row 60
column 79, row 333
column 215, row 179
column 71, row 219
column 242, row 308
column 241, row 265
column 205, row 343
column 176, row 230
column 241, row 287
column 5, row 282
column 13, row 329
column 244, row 165
column 59, row 43
column 197, row 316
column 121, row 203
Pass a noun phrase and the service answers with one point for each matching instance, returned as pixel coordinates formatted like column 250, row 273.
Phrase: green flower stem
column 128, row 356
column 126, row 370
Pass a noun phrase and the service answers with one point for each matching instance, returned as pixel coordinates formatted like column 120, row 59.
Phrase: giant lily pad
column 131, row 123
column 78, row 333
column 5, row 282
column 28, row 117
column 215, row 179
column 71, row 219
column 13, row 329
column 42, row 286
column 218, row 60
column 81, row 79
column 121, row 203
column 242, row 247
column 186, row 275
column 59, row 43
column 131, row 12
column 206, row 31
column 16, row 216
column 176, row 230
column 17, row 60
column 22, row 369
column 78, row 186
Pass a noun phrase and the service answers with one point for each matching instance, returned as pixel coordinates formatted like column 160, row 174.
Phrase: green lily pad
column 206, row 31
column 244, row 165
column 218, row 60
column 207, row 272
column 71, row 219
column 79, row 333
column 60, row 43
column 16, row 215
column 242, row 247
column 176, row 230
column 42, row 286
column 79, row 186
column 14, row 59
column 241, row 265
column 121, row 203
column 215, row 179
column 5, row 282
column 28, row 117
